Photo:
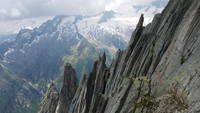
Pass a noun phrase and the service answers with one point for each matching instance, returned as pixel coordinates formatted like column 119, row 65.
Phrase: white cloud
column 11, row 9
column 143, row 2
column 136, row 7
column 9, row 13
column 3, row 11
column 114, row 4
column 13, row 26
column 15, row 12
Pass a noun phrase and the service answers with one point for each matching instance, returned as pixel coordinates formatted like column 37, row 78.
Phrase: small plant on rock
column 179, row 97
column 148, row 102
column 143, row 79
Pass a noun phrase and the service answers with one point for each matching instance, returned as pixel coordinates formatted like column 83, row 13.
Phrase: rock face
column 68, row 89
column 50, row 101
column 157, row 73
column 89, row 95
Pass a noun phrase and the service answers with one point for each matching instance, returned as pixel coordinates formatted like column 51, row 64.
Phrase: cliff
column 157, row 73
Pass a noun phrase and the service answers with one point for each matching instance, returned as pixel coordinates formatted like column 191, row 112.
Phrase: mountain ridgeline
column 157, row 73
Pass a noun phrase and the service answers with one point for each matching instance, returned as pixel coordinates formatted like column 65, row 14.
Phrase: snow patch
column 22, row 51
column 10, row 50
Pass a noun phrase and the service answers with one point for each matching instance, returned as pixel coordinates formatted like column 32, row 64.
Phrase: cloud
column 18, row 9
column 15, row 12
column 136, row 7
column 10, row 13
column 3, row 12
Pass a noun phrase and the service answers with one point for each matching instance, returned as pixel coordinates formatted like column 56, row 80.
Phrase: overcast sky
column 19, row 14
column 18, row 9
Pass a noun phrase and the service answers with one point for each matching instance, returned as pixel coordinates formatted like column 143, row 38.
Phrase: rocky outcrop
column 68, row 89
column 157, row 73
column 50, row 100
column 89, row 96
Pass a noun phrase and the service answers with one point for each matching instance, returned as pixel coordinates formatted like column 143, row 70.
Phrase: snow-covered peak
column 107, row 29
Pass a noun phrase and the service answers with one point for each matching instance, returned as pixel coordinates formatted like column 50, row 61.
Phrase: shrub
column 143, row 79
column 148, row 102
column 180, row 98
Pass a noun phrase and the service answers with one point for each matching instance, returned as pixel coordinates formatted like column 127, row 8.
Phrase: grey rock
column 50, row 100
column 68, row 89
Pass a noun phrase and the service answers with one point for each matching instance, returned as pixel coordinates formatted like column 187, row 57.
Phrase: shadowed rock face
column 68, row 89
column 157, row 73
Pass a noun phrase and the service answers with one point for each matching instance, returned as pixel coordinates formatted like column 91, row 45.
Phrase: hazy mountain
column 7, row 37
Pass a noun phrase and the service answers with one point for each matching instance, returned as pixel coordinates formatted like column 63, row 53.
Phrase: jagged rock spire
column 50, row 100
column 141, row 21
column 104, row 58
column 68, row 89
column 69, row 76
column 136, row 34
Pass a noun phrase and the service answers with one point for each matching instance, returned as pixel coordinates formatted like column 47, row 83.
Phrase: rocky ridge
column 157, row 73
